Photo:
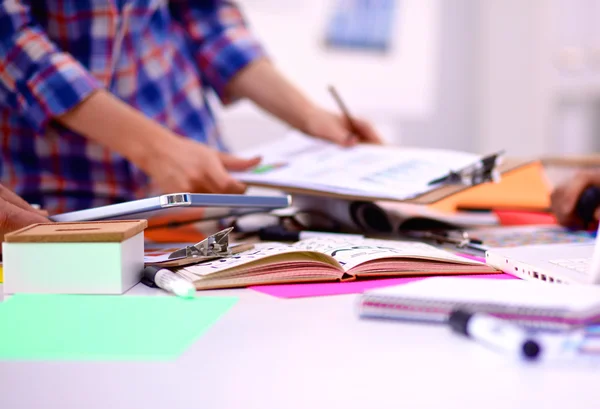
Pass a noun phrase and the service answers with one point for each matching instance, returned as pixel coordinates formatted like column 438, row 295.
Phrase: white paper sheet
column 351, row 253
column 370, row 171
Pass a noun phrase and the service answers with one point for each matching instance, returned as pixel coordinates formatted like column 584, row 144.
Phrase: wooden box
column 104, row 257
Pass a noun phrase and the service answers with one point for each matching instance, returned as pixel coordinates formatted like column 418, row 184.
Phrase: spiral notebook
column 533, row 305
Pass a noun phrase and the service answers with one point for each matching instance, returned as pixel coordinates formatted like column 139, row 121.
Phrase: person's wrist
column 309, row 114
column 150, row 148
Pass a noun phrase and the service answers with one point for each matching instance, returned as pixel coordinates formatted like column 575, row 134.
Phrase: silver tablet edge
column 175, row 199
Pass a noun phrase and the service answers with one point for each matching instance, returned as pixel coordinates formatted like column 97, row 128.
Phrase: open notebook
column 326, row 259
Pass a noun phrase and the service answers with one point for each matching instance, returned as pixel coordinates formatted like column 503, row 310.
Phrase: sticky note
column 97, row 327
column 1, row 275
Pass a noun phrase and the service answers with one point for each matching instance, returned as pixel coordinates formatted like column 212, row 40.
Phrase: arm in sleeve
column 37, row 79
column 222, row 43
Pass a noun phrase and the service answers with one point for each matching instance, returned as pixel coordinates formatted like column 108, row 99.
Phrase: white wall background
column 540, row 76
column 380, row 87
column 477, row 75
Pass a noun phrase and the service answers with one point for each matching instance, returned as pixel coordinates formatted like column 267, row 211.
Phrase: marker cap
column 459, row 321
column 149, row 274
column 531, row 349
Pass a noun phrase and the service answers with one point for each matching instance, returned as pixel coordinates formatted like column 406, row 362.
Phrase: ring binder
column 213, row 247
column 216, row 245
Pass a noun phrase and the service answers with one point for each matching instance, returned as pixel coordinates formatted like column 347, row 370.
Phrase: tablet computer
column 144, row 208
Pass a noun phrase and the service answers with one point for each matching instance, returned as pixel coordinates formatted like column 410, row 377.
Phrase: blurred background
column 475, row 75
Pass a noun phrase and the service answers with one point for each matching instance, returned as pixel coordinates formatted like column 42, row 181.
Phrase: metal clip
column 216, row 245
column 483, row 171
column 463, row 241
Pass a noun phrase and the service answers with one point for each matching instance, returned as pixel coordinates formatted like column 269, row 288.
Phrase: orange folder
column 524, row 188
column 189, row 227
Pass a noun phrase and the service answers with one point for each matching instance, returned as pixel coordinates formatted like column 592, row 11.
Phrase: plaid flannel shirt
column 159, row 56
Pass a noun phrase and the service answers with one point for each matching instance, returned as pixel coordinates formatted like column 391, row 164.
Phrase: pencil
column 345, row 111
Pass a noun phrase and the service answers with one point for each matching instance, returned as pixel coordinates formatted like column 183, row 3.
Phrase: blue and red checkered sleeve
column 36, row 78
column 223, row 44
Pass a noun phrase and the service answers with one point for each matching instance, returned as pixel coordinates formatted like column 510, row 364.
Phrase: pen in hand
column 354, row 129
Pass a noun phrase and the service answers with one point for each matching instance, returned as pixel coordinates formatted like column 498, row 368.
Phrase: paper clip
column 216, row 245
column 480, row 172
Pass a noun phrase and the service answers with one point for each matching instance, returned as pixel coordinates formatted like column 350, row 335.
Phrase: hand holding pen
column 343, row 129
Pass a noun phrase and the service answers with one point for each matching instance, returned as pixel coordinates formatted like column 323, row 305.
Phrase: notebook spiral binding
column 425, row 310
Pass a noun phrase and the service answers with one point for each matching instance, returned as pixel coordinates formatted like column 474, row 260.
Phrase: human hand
column 336, row 128
column 16, row 213
column 190, row 166
column 565, row 197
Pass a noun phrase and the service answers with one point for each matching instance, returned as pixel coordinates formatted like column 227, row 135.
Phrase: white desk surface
column 305, row 353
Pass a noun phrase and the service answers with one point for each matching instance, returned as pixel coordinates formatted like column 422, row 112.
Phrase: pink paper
column 472, row 257
column 352, row 287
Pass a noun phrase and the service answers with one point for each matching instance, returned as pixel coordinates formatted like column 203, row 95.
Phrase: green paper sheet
column 99, row 327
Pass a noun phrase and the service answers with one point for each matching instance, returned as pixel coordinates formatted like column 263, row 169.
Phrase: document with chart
column 366, row 171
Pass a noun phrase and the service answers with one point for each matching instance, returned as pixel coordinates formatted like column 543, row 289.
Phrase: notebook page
column 261, row 252
column 369, row 171
column 353, row 252
column 510, row 292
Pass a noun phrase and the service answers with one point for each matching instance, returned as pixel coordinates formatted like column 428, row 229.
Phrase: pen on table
column 496, row 333
column 345, row 111
column 278, row 233
column 154, row 276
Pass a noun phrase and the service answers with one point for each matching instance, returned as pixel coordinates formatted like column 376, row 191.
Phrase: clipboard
column 495, row 175
column 441, row 192
column 523, row 186
column 298, row 164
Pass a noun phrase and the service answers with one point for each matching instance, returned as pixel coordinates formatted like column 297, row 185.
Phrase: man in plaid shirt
column 102, row 101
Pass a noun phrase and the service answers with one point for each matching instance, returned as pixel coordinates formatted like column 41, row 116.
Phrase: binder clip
column 482, row 171
column 457, row 238
column 216, row 245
